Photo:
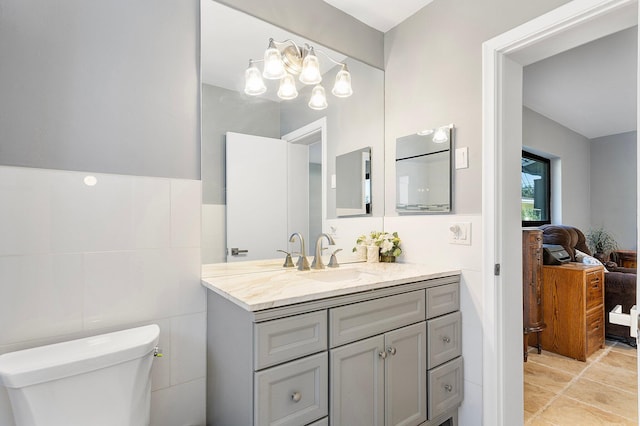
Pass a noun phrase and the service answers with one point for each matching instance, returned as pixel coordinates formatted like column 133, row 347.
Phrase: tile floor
column 601, row 391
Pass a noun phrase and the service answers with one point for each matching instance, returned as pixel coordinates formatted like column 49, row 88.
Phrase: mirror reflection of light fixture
column 283, row 60
column 253, row 83
column 440, row 134
column 273, row 66
column 287, row 89
column 318, row 98
column 310, row 73
column 342, row 87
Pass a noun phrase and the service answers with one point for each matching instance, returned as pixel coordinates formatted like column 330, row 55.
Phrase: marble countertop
column 259, row 285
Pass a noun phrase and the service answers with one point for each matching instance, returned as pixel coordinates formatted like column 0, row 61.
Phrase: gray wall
column 433, row 76
column 101, row 86
column 613, row 186
column 571, row 159
column 228, row 111
column 320, row 22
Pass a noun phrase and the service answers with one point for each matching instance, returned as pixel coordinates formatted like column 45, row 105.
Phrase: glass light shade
column 273, row 66
column 342, row 86
column 441, row 135
column 287, row 89
column 318, row 98
column 253, row 83
column 310, row 73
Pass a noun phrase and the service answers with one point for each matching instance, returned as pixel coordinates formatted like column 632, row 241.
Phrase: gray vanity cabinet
column 389, row 366
column 371, row 358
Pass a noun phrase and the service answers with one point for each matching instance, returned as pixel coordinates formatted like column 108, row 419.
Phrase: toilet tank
column 98, row 380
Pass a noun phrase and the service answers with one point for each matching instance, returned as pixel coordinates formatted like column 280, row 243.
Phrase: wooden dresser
column 573, row 309
column 532, row 315
column 626, row 258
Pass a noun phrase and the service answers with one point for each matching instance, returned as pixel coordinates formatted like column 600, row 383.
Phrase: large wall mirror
column 269, row 165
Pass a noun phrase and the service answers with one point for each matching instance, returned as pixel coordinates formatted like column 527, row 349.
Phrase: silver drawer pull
column 446, row 339
column 297, row 396
column 448, row 388
column 391, row 350
column 382, row 354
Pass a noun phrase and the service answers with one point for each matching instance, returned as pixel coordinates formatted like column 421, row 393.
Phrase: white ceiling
column 380, row 14
column 591, row 89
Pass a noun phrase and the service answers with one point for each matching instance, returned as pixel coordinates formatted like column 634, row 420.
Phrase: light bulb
column 318, row 99
column 253, row 83
column 287, row 89
column 310, row 73
column 342, row 86
column 273, row 66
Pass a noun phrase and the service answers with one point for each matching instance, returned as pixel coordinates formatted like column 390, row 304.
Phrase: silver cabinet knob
column 297, row 396
column 446, row 339
column 382, row 354
column 391, row 350
column 448, row 388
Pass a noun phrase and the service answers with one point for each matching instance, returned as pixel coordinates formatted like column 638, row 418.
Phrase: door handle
column 235, row 251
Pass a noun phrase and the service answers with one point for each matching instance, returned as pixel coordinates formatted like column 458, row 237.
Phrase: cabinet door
column 406, row 376
column 357, row 383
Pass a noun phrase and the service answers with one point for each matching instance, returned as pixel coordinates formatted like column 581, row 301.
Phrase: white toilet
column 102, row 380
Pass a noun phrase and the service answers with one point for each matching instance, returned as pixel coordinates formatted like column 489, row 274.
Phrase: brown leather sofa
column 619, row 283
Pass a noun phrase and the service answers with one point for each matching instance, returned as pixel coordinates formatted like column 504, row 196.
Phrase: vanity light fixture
column 283, row 60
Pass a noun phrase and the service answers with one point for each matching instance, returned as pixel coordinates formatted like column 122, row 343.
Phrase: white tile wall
column 214, row 242
column 78, row 260
column 425, row 239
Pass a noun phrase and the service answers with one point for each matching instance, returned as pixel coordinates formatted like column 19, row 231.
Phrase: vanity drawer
column 594, row 289
column 289, row 338
column 445, row 387
column 442, row 300
column 365, row 319
column 292, row 394
column 444, row 335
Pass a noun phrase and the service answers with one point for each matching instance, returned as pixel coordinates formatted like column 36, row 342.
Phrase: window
column 536, row 190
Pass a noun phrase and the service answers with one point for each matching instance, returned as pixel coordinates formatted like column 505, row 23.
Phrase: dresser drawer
column 442, row 300
column 361, row 320
column 292, row 394
column 444, row 335
column 445, row 387
column 594, row 287
column 289, row 338
column 595, row 330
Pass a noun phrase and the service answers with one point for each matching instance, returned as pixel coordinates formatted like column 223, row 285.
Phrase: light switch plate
column 462, row 158
column 333, row 181
column 460, row 233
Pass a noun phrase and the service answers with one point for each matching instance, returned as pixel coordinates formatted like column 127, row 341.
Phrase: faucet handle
column 333, row 262
column 288, row 263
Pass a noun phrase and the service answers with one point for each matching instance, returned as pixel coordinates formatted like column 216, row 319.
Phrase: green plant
column 601, row 241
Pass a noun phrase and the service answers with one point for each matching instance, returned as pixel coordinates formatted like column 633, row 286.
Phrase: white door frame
column 315, row 126
column 503, row 58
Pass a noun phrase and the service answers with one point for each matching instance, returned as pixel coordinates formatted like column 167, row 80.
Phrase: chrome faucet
column 317, row 260
column 303, row 263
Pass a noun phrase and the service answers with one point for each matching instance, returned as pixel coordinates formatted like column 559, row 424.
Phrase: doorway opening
column 570, row 25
